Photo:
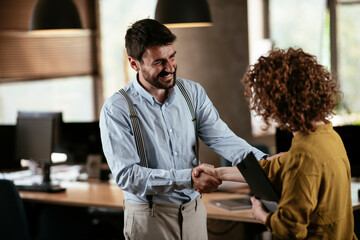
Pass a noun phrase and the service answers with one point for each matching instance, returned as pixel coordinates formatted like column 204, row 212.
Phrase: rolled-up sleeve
column 298, row 198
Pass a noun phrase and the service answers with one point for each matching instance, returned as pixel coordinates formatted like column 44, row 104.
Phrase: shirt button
column 175, row 153
column 171, row 130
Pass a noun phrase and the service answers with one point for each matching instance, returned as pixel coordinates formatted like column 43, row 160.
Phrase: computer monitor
column 349, row 136
column 283, row 140
column 37, row 137
column 81, row 139
column 8, row 162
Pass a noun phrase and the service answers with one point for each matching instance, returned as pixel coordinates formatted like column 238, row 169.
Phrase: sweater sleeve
column 299, row 193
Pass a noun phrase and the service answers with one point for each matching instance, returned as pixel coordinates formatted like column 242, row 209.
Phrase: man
column 161, row 200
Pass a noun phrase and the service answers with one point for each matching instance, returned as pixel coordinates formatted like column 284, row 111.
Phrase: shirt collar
column 148, row 97
column 320, row 129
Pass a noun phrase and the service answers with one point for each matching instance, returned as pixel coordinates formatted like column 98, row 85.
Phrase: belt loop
column 151, row 203
column 196, row 203
column 123, row 204
column 150, row 199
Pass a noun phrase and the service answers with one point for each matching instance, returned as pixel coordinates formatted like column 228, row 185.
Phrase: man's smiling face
column 158, row 66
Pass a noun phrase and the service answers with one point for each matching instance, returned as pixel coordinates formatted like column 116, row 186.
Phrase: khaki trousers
column 163, row 221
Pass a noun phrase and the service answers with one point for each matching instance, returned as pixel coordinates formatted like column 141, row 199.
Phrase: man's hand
column 203, row 182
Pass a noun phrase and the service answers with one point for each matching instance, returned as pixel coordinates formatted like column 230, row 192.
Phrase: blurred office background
column 74, row 71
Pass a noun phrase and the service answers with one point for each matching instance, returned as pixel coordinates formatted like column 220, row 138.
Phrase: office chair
column 13, row 223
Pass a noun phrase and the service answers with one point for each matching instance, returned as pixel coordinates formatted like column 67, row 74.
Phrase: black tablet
column 259, row 184
column 233, row 203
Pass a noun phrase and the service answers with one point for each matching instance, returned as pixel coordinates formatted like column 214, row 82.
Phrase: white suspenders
column 137, row 130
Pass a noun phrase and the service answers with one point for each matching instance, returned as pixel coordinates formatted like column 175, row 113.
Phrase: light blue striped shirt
column 169, row 138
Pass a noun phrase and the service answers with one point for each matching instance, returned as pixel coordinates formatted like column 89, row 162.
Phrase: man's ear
column 134, row 64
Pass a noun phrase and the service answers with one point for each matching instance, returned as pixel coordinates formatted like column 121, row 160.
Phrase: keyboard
column 49, row 188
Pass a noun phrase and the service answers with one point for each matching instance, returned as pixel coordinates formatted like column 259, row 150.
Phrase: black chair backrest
column 13, row 223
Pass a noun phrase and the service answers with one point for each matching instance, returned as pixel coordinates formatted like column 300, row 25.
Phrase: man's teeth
column 165, row 75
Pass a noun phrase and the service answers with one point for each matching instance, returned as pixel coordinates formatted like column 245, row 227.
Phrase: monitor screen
column 37, row 134
column 7, row 146
column 80, row 139
column 350, row 137
column 283, row 140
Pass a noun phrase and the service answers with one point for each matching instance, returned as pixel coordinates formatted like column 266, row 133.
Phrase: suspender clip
column 150, row 200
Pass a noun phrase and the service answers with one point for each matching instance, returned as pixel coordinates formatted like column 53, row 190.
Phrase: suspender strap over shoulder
column 140, row 147
column 192, row 111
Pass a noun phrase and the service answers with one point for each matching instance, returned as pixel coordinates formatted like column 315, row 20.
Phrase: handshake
column 205, row 178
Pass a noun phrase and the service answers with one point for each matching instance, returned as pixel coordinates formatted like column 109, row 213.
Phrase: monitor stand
column 46, row 183
column 45, row 186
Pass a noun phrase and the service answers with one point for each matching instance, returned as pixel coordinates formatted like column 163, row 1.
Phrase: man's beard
column 155, row 81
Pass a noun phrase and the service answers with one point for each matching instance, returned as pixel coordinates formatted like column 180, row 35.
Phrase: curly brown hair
column 292, row 88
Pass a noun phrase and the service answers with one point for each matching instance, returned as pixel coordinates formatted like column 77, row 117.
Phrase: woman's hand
column 206, row 168
column 275, row 155
column 222, row 173
column 258, row 210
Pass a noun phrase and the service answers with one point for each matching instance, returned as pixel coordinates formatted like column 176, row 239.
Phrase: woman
column 313, row 177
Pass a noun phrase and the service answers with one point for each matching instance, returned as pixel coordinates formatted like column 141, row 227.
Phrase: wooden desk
column 81, row 194
column 87, row 194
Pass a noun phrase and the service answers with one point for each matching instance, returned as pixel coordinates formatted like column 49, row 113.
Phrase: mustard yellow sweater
column 314, row 180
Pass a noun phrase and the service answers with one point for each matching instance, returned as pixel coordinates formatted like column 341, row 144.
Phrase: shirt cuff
column 267, row 221
column 183, row 179
column 259, row 154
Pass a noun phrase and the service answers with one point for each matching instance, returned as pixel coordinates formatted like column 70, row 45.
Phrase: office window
column 348, row 35
column 307, row 24
column 73, row 96
column 295, row 23
column 259, row 44
column 284, row 24
column 47, row 70
column 115, row 18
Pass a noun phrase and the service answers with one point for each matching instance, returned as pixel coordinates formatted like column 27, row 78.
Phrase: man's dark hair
column 146, row 33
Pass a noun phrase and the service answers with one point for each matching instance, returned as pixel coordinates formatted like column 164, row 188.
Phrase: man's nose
column 170, row 66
